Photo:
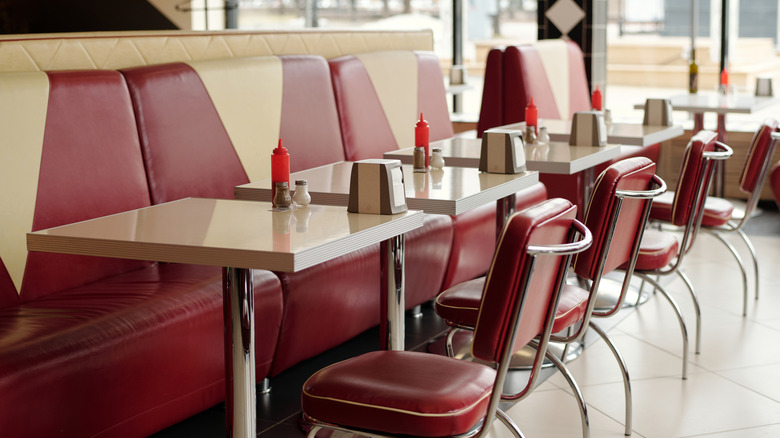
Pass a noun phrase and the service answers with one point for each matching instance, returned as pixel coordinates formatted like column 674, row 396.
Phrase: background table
column 633, row 134
column 451, row 191
column 238, row 236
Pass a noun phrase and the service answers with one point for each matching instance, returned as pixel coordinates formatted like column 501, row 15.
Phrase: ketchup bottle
column 421, row 136
column 532, row 116
column 596, row 99
column 280, row 167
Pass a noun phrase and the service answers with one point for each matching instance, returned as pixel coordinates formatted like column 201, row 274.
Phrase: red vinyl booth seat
column 188, row 152
column 515, row 74
column 92, row 346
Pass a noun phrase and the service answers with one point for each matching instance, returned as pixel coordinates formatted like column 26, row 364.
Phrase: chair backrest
column 609, row 211
column 521, row 288
column 757, row 164
column 693, row 183
column 774, row 182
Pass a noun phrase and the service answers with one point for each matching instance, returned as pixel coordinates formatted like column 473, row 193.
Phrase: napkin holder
column 764, row 87
column 377, row 187
column 502, row 151
column 588, row 129
column 658, row 112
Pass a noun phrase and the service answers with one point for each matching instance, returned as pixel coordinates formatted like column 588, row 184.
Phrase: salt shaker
column 419, row 159
column 437, row 158
column 282, row 199
column 544, row 137
column 302, row 196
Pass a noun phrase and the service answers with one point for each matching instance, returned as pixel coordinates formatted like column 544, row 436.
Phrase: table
column 557, row 157
column 451, row 191
column 632, row 134
column 238, row 236
column 714, row 102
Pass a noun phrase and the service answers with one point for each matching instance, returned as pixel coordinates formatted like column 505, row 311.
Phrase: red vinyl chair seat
column 717, row 211
column 774, row 182
column 657, row 250
column 342, row 393
column 460, row 304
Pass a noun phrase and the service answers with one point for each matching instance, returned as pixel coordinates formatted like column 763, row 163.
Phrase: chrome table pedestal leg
column 392, row 259
column 238, row 312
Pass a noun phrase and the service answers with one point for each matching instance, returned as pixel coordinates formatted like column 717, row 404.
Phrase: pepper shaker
column 419, row 159
column 282, row 199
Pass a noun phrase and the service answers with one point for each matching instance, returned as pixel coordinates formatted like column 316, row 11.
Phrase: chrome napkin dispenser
column 764, row 86
column 503, row 151
column 658, row 112
column 588, row 128
column 377, row 187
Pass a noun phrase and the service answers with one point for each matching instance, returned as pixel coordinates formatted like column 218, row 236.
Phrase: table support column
column 504, row 208
column 698, row 122
column 393, row 299
column 238, row 312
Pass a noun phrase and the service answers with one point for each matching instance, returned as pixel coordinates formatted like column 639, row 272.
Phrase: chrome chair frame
column 737, row 225
column 689, row 233
column 494, row 412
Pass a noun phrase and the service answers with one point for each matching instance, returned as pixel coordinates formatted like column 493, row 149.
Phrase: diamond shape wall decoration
column 565, row 14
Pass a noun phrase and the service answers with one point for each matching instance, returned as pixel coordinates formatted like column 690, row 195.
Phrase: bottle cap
column 280, row 150
column 301, row 182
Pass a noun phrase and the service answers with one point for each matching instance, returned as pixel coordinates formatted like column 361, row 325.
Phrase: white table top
column 226, row 233
column 713, row 102
column 452, row 190
column 634, row 134
column 557, row 157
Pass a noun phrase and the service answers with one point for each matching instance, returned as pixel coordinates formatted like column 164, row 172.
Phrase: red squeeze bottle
column 421, row 136
column 724, row 77
column 596, row 99
column 280, row 167
column 532, row 116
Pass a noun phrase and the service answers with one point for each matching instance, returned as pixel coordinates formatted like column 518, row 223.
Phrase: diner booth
column 289, row 232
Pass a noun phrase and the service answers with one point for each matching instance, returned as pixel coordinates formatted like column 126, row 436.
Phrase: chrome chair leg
column 741, row 267
column 509, row 423
column 313, row 431
column 624, row 371
column 448, row 344
column 752, row 249
column 696, row 307
column 575, row 389
column 677, row 312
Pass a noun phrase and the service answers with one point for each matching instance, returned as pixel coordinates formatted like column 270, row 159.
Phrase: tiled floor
column 733, row 388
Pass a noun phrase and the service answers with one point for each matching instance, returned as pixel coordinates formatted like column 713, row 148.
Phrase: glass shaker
column 437, row 158
column 282, row 199
column 302, row 196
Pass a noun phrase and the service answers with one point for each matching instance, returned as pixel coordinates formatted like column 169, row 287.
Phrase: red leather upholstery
column 634, row 174
column 657, row 251
column 718, row 211
column 310, row 123
column 186, row 149
column 81, row 178
column 491, row 110
column 411, row 393
column 365, row 126
column 690, row 172
column 109, row 347
column 522, row 76
column 774, row 181
column 757, row 156
column 404, row 393
column 474, row 237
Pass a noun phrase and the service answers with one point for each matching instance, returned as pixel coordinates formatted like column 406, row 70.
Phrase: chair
column 774, row 180
column 660, row 254
column 620, row 201
column 719, row 215
column 386, row 393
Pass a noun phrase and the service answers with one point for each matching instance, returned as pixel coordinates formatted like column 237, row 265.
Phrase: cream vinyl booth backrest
column 117, row 50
